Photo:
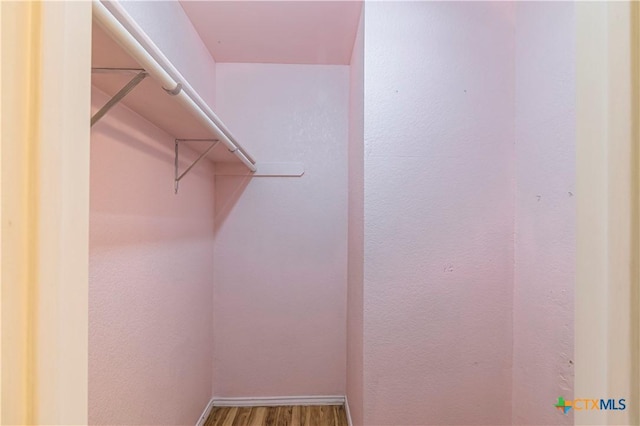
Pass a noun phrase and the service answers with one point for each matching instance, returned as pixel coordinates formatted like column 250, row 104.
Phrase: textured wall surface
column 545, row 211
column 355, row 257
column 438, row 208
column 428, row 274
column 151, row 275
column 281, row 243
column 170, row 28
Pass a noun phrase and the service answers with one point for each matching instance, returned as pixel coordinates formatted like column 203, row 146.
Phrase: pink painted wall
column 545, row 211
column 281, row 246
column 170, row 28
column 355, row 255
column 438, row 213
column 151, row 275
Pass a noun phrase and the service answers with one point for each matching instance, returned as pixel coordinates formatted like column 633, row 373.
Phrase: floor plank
column 228, row 421
column 257, row 417
column 341, row 416
column 216, row 414
column 271, row 418
column 242, row 417
column 295, row 416
column 300, row 415
column 284, row 416
column 305, row 416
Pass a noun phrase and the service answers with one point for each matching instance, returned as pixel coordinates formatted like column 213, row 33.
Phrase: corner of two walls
column 545, row 242
column 281, row 250
column 355, row 235
column 477, row 128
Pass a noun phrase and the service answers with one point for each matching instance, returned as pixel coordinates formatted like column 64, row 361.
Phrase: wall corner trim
column 205, row 414
column 346, row 409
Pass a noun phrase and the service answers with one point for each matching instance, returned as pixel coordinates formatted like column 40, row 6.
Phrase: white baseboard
column 348, row 412
column 205, row 414
column 277, row 401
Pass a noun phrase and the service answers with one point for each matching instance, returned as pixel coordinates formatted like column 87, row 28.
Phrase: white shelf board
column 148, row 99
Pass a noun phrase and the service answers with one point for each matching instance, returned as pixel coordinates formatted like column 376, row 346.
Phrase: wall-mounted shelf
column 148, row 98
column 129, row 67
column 123, row 56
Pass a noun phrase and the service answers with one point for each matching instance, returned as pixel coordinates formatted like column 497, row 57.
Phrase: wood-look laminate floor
column 314, row 415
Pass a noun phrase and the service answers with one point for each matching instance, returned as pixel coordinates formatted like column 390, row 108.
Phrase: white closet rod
column 149, row 58
column 123, row 17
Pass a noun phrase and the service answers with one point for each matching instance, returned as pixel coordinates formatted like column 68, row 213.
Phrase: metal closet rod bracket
column 178, row 176
column 140, row 75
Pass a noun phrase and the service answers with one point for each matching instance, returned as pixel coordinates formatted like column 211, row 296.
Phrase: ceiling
column 286, row 32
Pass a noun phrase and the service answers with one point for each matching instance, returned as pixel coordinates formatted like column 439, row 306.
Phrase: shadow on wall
column 227, row 196
column 120, row 132
column 152, row 144
column 132, row 184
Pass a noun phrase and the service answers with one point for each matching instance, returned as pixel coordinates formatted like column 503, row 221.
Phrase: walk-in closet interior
column 368, row 206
